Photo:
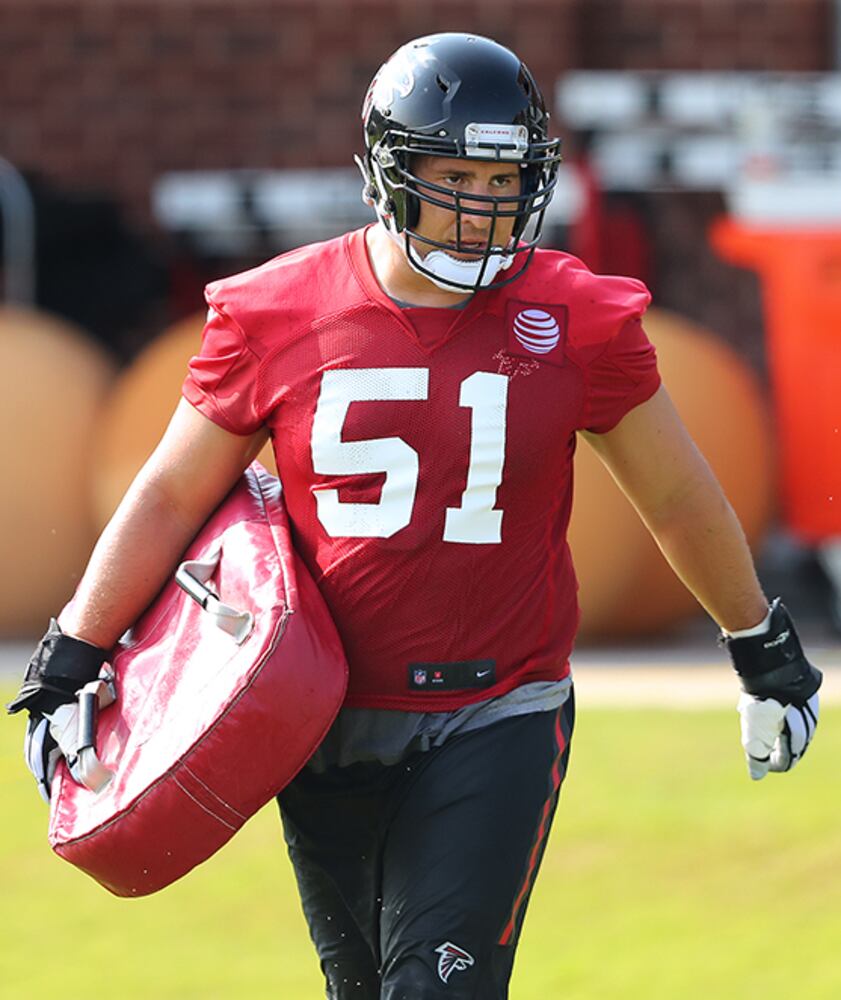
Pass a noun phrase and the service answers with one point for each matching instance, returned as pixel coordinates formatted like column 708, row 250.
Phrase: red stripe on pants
column 542, row 831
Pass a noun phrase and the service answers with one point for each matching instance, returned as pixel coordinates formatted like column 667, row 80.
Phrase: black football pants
column 415, row 877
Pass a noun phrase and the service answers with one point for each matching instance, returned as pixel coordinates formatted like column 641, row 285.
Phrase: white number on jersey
column 474, row 521
column 332, row 456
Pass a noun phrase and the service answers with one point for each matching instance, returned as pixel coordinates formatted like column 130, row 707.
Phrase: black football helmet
column 458, row 95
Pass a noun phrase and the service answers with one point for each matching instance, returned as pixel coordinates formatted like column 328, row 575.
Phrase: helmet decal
column 396, row 79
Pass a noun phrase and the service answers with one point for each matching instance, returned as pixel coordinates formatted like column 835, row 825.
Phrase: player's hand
column 775, row 736
column 49, row 738
column 59, row 667
column 779, row 704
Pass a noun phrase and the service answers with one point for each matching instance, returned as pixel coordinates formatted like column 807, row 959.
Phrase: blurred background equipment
column 94, row 268
column 626, row 587
column 250, row 212
column 799, row 263
column 55, row 378
column 772, row 143
column 71, row 252
column 17, row 217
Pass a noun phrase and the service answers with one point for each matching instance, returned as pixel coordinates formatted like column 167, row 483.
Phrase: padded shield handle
column 192, row 577
column 88, row 770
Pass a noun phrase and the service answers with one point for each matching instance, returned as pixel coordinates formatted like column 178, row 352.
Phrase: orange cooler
column 800, row 270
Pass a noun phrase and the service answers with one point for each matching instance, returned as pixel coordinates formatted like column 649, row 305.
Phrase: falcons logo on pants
column 451, row 958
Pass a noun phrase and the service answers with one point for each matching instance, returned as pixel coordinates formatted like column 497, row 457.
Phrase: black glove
column 779, row 706
column 58, row 668
column 773, row 665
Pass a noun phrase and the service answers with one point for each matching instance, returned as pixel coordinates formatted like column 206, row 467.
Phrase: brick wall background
column 113, row 93
column 704, row 34
column 110, row 93
column 107, row 94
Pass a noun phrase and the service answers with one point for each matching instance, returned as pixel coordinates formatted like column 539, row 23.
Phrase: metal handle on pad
column 89, row 770
column 192, row 576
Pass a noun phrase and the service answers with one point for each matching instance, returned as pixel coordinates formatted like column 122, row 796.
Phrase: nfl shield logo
column 420, row 677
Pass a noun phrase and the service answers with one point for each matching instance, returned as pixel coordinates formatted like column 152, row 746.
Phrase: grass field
column 669, row 876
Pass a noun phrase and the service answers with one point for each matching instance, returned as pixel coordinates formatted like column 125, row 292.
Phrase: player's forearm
column 131, row 561
column 705, row 544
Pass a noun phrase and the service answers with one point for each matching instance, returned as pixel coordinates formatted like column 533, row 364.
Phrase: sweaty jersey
column 426, row 454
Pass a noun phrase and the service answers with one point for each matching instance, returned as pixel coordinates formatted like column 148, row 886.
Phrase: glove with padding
column 779, row 705
column 775, row 736
column 58, row 668
column 48, row 738
column 70, row 732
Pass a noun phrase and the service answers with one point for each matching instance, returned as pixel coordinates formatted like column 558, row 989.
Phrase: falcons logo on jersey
column 452, row 959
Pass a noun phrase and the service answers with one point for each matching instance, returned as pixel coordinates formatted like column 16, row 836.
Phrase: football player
column 424, row 382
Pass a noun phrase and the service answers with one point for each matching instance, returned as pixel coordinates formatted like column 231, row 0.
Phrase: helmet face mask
column 469, row 99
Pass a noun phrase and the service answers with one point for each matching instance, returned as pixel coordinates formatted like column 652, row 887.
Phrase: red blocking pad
column 206, row 729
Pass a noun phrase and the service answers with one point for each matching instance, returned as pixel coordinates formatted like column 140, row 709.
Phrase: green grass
column 669, row 876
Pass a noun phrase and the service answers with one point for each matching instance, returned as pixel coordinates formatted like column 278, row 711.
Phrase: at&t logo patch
column 452, row 959
column 537, row 331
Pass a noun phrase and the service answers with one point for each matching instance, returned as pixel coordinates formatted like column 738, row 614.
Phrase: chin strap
column 445, row 271
column 456, row 275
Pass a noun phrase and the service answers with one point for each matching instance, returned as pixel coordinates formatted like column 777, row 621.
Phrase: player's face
column 466, row 177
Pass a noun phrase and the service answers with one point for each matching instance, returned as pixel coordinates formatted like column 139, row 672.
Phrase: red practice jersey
column 426, row 454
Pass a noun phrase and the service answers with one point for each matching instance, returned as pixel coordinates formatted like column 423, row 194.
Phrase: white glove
column 53, row 735
column 775, row 736
column 48, row 738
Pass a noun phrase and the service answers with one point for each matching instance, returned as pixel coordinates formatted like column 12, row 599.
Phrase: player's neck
column 399, row 280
